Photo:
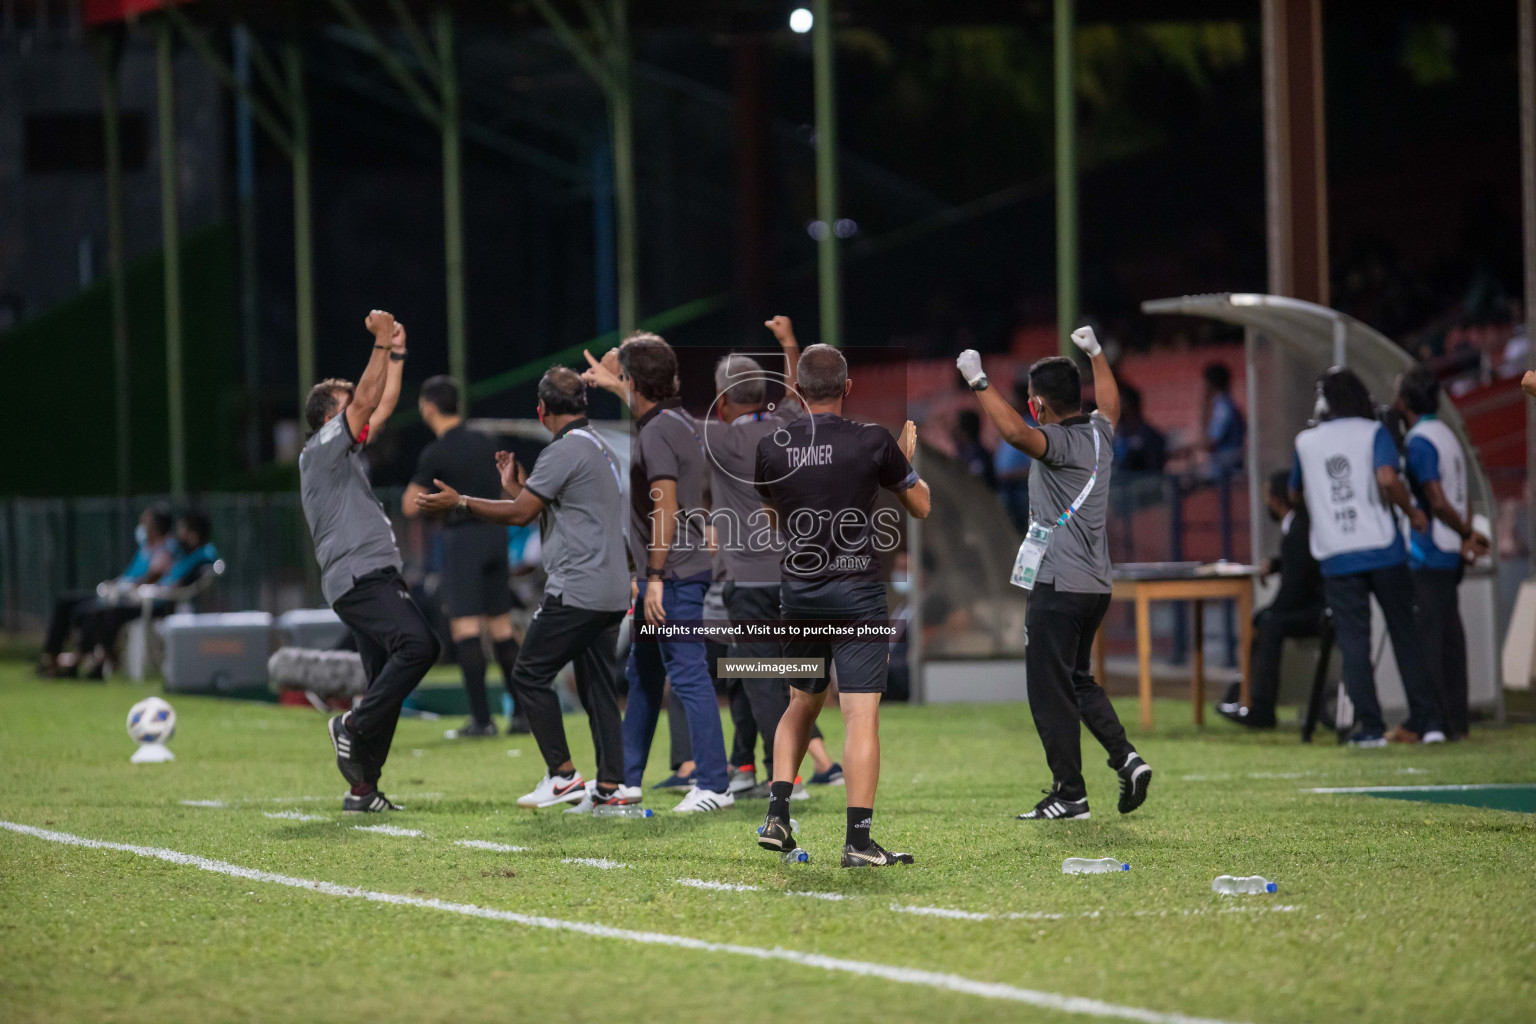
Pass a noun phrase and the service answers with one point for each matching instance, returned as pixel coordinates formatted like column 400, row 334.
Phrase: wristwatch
column 982, row 384
column 464, row 503
column 654, row 574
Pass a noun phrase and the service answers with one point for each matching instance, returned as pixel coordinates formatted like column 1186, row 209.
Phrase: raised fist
column 782, row 329
column 969, row 364
column 381, row 325
column 1083, row 338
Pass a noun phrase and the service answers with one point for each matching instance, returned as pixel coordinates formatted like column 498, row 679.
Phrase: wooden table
column 1183, row 585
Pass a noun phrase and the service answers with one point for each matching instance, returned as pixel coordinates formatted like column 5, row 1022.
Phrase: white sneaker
column 585, row 805
column 799, row 792
column 1433, row 736
column 553, row 790
column 631, row 794
column 699, row 800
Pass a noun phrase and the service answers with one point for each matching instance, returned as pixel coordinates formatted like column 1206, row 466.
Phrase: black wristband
column 382, row 348
column 397, row 357
column 655, row 574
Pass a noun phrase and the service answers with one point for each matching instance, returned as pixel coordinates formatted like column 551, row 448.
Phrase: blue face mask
column 141, row 534
column 901, row 584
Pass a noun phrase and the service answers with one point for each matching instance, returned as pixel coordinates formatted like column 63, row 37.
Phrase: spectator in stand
column 1225, row 429
column 1139, row 446
column 156, row 551
column 1011, row 467
column 969, row 449
column 1297, row 609
column 100, row 624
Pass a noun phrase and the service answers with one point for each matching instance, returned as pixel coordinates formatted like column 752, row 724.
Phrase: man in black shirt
column 1297, row 609
column 820, row 477
column 473, row 587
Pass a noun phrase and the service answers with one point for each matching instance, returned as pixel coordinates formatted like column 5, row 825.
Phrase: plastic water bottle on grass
column 1085, row 866
column 1252, row 885
column 621, row 811
column 795, row 856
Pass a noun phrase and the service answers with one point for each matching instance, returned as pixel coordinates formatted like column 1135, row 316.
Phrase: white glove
column 969, row 364
column 1083, row 338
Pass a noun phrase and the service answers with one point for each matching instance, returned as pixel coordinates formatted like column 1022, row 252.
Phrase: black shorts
column 861, row 666
column 474, row 578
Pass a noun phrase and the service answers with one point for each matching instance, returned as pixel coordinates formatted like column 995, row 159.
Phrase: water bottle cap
column 648, row 813
column 1269, row 887
column 1125, row 867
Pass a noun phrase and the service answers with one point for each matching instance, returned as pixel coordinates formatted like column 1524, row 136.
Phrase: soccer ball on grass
column 152, row 720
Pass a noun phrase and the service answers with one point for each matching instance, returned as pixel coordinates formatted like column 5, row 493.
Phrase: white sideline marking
column 1469, row 788
column 905, row 975
column 959, row 915
column 594, row 862
column 388, row 830
column 292, row 800
column 821, row 895
column 481, row 844
column 294, row 816
column 699, row 883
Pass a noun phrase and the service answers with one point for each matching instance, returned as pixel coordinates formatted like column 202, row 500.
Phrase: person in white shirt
column 1346, row 468
column 1437, row 477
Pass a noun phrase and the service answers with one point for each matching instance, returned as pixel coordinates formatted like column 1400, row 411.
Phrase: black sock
column 607, row 788
column 858, row 827
column 505, row 652
column 778, row 799
column 472, row 663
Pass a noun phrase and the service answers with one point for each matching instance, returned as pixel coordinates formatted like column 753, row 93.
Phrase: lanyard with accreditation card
column 1027, row 565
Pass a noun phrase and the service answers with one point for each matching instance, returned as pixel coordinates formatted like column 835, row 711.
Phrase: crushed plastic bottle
column 1085, row 866
column 1252, row 885
column 795, row 856
column 622, row 811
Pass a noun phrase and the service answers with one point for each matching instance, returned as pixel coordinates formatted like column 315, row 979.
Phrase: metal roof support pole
column 303, row 239
column 170, row 240
column 1066, row 180
column 1527, row 48
column 453, row 199
column 917, row 682
column 109, row 49
column 245, row 203
column 829, row 273
column 1295, row 178
column 621, row 115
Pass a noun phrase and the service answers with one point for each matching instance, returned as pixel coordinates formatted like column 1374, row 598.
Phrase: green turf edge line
column 905, row 975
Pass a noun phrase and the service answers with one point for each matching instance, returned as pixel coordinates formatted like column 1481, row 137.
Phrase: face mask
column 141, row 534
column 901, row 584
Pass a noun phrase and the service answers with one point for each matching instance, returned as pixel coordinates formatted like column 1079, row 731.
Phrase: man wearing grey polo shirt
column 359, row 562
column 671, row 555
column 574, row 492
column 1065, row 563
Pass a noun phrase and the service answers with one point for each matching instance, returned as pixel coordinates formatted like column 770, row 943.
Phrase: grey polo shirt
column 669, row 445
column 750, row 549
column 581, row 530
column 1077, row 560
column 352, row 533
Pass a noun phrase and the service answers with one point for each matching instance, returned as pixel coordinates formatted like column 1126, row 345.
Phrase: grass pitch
column 1387, row 910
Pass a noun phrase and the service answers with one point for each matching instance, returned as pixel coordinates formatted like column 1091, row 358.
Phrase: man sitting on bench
column 101, row 621
column 1297, row 609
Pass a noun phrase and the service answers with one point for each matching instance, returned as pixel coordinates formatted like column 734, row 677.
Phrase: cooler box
column 216, row 653
column 318, row 629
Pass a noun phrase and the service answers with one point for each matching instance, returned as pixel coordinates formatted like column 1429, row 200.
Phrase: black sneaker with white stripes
column 1135, row 776
column 876, row 856
column 371, row 802
column 343, row 740
column 775, row 834
column 1054, row 808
